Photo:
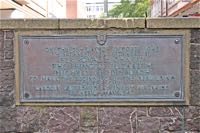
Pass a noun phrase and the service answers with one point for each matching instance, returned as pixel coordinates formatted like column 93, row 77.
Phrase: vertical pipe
column 166, row 8
column 106, row 8
column 161, row 8
column 47, row 10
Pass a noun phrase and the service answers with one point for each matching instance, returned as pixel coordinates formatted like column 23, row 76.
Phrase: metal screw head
column 177, row 94
column 177, row 41
column 26, row 42
column 26, row 95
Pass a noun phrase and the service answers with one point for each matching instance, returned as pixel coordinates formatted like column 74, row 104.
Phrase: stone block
column 29, row 24
column 8, row 45
column 148, row 125
column 195, row 95
column 195, row 56
column 8, row 55
column 9, row 34
column 192, row 112
column 195, row 53
column 192, row 125
column 117, row 119
column 165, row 112
column 8, row 121
column 1, row 46
column 101, row 23
column 88, row 117
column 6, row 86
column 5, row 65
column 192, row 119
column 76, row 24
column 88, row 120
column 195, row 65
column 7, row 100
column 1, row 56
column 125, row 23
column 7, row 75
column 176, row 23
column 171, row 124
column 1, row 40
column 194, row 87
column 142, row 111
column 56, row 119
column 195, row 36
column 28, row 119
column 89, row 129
column 1, row 34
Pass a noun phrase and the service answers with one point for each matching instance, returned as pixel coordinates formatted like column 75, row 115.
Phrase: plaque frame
column 185, row 57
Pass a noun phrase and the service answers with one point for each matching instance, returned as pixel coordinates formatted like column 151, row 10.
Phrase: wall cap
column 72, row 23
column 183, row 23
column 125, row 23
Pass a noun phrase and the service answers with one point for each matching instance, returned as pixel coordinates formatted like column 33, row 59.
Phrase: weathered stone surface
column 195, row 95
column 117, row 119
column 171, row 124
column 195, row 57
column 27, row 117
column 7, row 100
column 89, row 129
column 8, row 45
column 29, row 24
column 6, row 75
column 160, row 112
column 195, row 87
column 195, row 65
column 95, row 23
column 71, row 24
column 142, row 111
column 125, row 23
column 195, row 74
column 8, row 55
column 195, row 36
column 148, row 125
column 192, row 118
column 192, row 112
column 192, row 124
column 9, row 34
column 1, row 56
column 1, row 34
column 88, row 119
column 101, row 23
column 173, row 23
column 195, row 78
column 63, row 119
column 53, row 119
column 6, row 86
column 8, row 119
column 165, row 111
column 1, row 40
column 6, row 65
column 81, row 24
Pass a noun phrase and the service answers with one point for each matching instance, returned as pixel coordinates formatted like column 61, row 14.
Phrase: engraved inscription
column 78, row 69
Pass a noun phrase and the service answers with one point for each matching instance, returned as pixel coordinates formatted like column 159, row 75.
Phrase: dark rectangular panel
column 101, row 68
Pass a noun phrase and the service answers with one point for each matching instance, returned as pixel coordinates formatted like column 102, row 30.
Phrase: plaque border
column 149, row 102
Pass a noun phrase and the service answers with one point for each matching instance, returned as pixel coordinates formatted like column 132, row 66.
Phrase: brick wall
column 96, row 119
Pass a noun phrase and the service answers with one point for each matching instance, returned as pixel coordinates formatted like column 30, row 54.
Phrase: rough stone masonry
column 96, row 119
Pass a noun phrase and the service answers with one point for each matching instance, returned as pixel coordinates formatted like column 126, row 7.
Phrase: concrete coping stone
column 183, row 23
column 71, row 23
column 125, row 23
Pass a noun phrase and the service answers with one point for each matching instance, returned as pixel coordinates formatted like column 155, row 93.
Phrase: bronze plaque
column 101, row 68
